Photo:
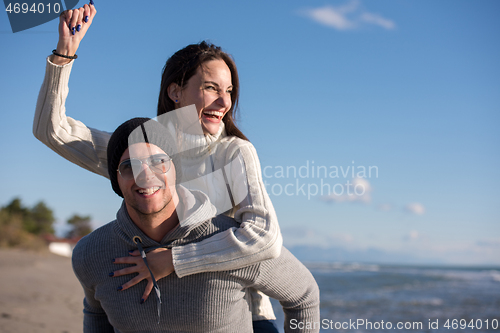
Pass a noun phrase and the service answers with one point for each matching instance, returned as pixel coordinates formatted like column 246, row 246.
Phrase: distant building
column 61, row 246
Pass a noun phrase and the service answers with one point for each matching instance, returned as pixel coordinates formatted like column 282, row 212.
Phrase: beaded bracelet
column 64, row 56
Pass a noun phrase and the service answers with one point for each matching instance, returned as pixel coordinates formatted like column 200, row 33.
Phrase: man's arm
column 290, row 282
column 95, row 319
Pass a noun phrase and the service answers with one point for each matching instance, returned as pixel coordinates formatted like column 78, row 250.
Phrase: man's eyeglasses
column 159, row 164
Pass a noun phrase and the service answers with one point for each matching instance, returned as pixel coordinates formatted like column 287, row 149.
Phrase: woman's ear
column 174, row 92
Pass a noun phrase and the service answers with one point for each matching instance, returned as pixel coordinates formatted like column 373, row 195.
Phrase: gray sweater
column 204, row 302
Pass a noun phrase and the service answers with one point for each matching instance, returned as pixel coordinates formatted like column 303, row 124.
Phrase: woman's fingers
column 147, row 291
column 93, row 11
column 77, row 20
column 137, row 260
column 139, row 268
column 128, row 270
column 133, row 282
column 86, row 13
column 75, row 17
column 161, row 264
column 135, row 253
column 64, row 22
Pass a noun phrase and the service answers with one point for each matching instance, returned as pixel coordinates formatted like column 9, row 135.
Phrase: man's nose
column 144, row 171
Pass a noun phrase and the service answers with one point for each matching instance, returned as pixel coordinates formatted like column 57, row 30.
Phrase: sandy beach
column 38, row 293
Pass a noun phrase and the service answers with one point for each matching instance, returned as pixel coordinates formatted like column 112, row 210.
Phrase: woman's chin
column 210, row 128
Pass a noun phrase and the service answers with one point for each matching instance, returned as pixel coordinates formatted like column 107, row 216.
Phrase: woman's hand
column 159, row 260
column 73, row 24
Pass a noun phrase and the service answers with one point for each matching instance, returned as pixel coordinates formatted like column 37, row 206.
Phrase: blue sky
column 410, row 88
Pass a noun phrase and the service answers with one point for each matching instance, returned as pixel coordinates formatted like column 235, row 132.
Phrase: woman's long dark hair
column 181, row 66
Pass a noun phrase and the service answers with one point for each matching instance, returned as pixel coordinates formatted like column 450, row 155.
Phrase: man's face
column 150, row 192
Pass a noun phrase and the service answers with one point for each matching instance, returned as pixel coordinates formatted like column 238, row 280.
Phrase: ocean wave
column 423, row 302
column 495, row 275
column 343, row 267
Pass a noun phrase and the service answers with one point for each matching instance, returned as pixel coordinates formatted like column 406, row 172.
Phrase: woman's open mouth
column 213, row 115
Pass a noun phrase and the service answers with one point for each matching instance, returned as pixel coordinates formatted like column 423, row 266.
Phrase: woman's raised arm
column 69, row 138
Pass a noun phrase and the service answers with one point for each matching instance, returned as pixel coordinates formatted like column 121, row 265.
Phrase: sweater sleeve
column 290, row 282
column 258, row 236
column 95, row 319
column 86, row 147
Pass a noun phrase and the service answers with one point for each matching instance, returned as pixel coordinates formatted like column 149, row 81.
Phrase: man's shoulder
column 92, row 243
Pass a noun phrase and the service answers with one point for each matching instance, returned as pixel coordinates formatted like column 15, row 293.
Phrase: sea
column 379, row 298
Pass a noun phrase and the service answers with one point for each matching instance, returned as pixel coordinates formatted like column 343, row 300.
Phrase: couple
column 215, row 260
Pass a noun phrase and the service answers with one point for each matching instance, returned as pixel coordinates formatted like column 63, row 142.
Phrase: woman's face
column 210, row 90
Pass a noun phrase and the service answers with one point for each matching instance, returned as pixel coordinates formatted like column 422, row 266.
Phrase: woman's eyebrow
column 215, row 83
column 212, row 82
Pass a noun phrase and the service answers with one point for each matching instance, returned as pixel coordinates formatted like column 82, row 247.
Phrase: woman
column 200, row 75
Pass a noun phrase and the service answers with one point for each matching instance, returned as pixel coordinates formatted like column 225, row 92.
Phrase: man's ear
column 174, row 91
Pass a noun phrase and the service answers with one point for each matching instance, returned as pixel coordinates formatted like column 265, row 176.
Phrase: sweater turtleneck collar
column 197, row 145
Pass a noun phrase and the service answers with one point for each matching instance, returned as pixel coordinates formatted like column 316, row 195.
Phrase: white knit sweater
column 257, row 238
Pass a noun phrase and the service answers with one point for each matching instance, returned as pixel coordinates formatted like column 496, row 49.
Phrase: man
column 158, row 213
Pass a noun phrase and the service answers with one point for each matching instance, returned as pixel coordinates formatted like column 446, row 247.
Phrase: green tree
column 16, row 211
column 15, row 208
column 19, row 225
column 37, row 220
column 43, row 218
column 80, row 226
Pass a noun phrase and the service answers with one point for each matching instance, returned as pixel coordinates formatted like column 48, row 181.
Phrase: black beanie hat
column 133, row 131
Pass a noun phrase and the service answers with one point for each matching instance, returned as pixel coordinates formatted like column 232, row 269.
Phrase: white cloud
column 377, row 20
column 357, row 190
column 415, row 208
column 347, row 17
column 329, row 16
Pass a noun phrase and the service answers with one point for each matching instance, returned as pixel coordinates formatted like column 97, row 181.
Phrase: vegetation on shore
column 28, row 228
